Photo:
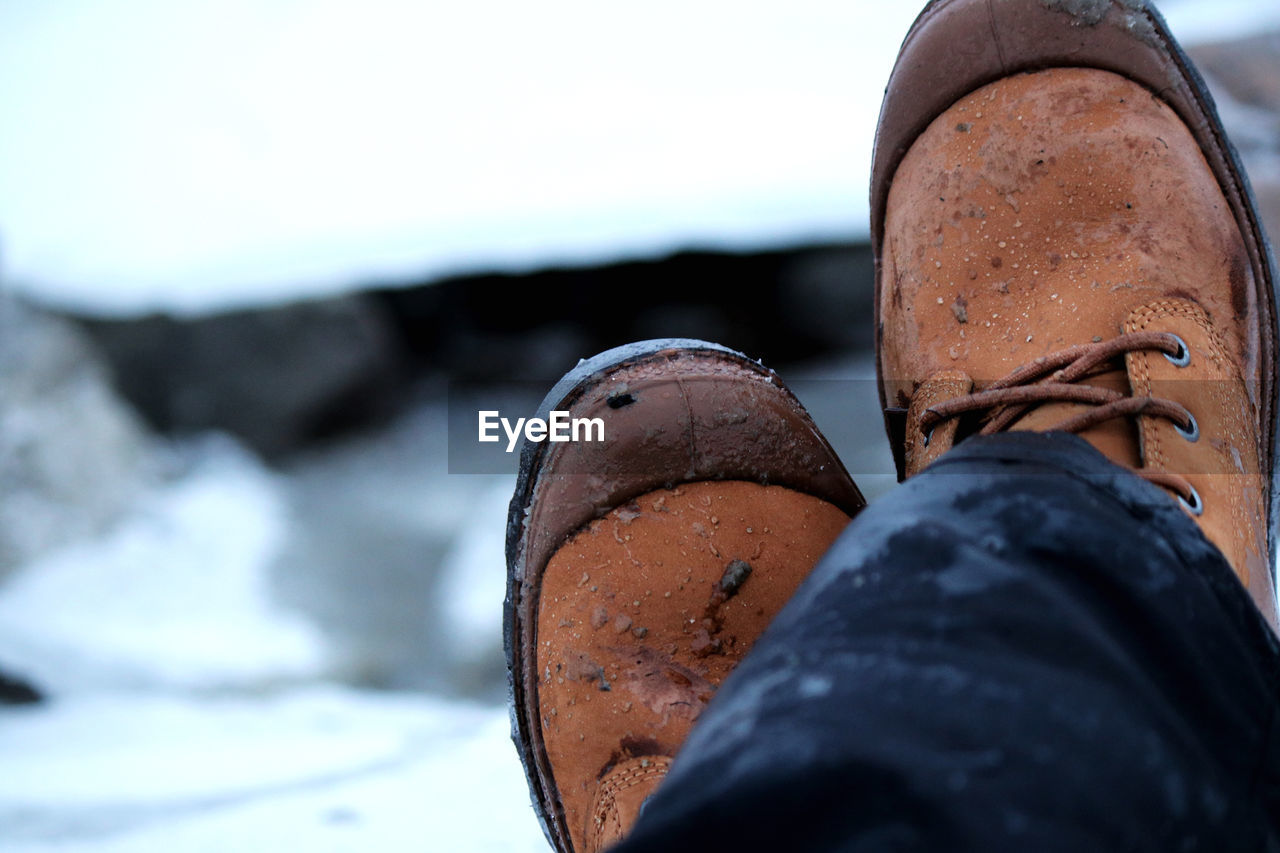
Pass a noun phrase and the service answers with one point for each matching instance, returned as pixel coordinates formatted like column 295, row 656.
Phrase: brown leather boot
column 643, row 567
column 1065, row 240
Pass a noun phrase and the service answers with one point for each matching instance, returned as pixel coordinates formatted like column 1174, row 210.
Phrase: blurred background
column 249, row 252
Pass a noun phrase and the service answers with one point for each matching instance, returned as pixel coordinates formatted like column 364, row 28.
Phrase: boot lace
column 1058, row 377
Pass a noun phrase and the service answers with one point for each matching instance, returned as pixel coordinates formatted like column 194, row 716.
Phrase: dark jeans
column 1022, row 648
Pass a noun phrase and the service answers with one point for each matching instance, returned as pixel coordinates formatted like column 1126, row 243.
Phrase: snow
column 190, row 711
column 173, row 597
column 1199, row 21
column 314, row 769
column 473, row 619
column 188, row 157
column 66, row 440
column 193, row 157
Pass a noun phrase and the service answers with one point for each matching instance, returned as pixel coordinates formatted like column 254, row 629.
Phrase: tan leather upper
column 642, row 615
column 1064, row 207
column 619, row 797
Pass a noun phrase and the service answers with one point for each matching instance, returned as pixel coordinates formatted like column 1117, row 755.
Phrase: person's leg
column 1025, row 647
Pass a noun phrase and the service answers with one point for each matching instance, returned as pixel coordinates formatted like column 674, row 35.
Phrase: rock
column 280, row 378
column 277, row 378
column 73, row 457
column 777, row 305
column 826, row 296
column 15, row 691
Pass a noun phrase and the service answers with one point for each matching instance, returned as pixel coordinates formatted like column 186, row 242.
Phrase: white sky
column 195, row 156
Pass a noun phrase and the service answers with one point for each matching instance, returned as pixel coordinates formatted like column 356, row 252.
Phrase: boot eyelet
column 1194, row 504
column 1183, row 356
column 1190, row 433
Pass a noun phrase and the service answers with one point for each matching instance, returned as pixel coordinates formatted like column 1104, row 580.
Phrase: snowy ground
column 189, row 157
column 315, row 769
column 193, row 710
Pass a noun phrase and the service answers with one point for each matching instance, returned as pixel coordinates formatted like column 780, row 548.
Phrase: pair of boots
column 1065, row 241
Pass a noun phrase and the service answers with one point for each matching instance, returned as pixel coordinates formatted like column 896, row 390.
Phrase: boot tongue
column 1117, row 438
column 620, row 797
